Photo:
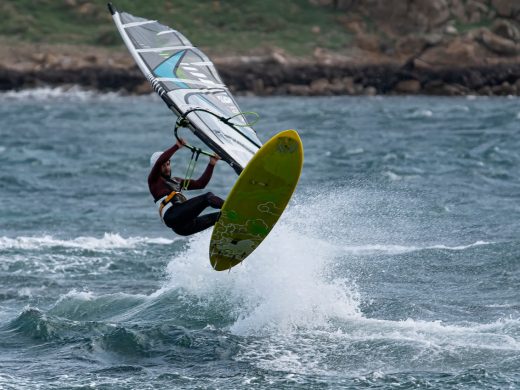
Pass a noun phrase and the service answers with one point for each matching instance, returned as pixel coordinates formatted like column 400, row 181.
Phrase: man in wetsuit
column 177, row 212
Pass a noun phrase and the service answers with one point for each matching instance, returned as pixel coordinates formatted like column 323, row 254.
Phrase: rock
column 506, row 29
column 91, row 58
column 299, row 90
column 354, row 26
column 370, row 91
column 279, row 57
column 433, row 39
column 87, row 9
column 485, row 91
column 404, row 17
column 319, row 87
column 458, row 51
column 410, row 45
column 39, row 57
column 337, row 87
column 440, row 88
column 50, row 60
column 458, row 9
column 498, row 44
column 143, row 88
column 348, row 85
column 451, row 30
column 258, row 86
column 504, row 89
column 476, row 11
column 408, row 86
column 368, row 42
column 431, row 12
column 507, row 8
column 358, row 89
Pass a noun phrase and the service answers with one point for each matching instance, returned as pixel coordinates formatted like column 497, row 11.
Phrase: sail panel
column 186, row 79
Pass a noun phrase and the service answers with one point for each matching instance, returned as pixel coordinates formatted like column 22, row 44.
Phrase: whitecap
column 399, row 249
column 107, row 242
column 74, row 93
column 420, row 114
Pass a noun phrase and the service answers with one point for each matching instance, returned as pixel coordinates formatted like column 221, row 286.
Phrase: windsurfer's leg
column 214, row 201
column 197, row 225
column 182, row 213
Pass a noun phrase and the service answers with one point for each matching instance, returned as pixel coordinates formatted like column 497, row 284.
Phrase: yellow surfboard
column 257, row 200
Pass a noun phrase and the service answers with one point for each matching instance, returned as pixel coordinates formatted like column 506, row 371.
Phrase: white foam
column 360, row 344
column 75, row 93
column 420, row 113
column 284, row 284
column 398, row 249
column 291, row 280
column 77, row 295
column 107, row 242
column 436, row 334
column 392, row 176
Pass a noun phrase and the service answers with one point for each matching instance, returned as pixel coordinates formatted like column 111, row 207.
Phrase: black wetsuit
column 183, row 216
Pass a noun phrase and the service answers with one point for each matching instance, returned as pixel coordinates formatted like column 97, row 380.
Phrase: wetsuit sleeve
column 202, row 181
column 155, row 173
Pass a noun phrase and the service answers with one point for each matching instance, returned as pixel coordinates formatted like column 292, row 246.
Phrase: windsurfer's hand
column 213, row 159
column 181, row 142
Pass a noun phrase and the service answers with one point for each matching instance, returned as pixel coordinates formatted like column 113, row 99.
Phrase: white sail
column 187, row 81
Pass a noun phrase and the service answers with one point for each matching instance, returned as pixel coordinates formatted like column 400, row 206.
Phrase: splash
column 284, row 285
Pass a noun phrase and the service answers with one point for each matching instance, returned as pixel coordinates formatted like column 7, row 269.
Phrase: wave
column 419, row 113
column 399, row 249
column 107, row 242
column 74, row 93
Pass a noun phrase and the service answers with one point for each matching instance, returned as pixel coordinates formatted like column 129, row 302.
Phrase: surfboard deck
column 257, row 200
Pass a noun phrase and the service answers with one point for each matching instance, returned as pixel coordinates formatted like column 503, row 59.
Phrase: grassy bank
column 230, row 26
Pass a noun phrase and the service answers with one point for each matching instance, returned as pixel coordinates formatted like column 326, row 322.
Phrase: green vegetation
column 238, row 26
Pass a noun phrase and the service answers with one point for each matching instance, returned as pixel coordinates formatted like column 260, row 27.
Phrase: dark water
column 396, row 265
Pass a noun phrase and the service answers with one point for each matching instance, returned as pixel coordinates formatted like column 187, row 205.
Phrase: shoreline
column 275, row 73
column 267, row 77
column 437, row 47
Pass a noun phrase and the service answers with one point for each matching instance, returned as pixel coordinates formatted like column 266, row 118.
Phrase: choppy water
column 396, row 265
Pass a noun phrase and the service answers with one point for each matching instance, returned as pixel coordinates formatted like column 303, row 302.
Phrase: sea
column 396, row 265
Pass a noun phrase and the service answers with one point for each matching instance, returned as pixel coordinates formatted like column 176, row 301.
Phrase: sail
column 187, row 81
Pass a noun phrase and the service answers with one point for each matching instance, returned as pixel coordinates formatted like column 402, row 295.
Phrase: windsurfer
column 177, row 212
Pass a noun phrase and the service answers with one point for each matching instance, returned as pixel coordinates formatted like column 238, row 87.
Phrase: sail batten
column 185, row 78
column 161, row 49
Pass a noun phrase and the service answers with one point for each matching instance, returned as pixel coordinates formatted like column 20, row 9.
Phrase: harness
column 165, row 203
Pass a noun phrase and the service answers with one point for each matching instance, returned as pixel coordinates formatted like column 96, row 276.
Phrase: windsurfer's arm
column 155, row 173
column 202, row 181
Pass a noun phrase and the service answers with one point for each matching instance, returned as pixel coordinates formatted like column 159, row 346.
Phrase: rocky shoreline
column 436, row 61
column 275, row 76
column 416, row 47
